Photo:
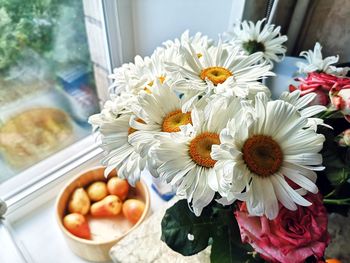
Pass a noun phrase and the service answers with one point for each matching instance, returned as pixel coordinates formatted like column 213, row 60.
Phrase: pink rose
column 321, row 84
column 344, row 138
column 340, row 98
column 292, row 237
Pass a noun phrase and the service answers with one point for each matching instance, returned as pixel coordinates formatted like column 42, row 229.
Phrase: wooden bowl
column 106, row 232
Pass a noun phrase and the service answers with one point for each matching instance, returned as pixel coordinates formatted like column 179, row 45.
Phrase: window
column 47, row 88
column 54, row 66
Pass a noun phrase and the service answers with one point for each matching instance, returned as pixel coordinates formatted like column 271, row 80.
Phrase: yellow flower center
column 262, row 155
column 132, row 130
column 174, row 120
column 150, row 84
column 217, row 75
column 199, row 55
column 200, row 149
column 147, row 90
column 161, row 79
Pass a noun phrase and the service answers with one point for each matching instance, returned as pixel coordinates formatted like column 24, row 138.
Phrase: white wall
column 154, row 21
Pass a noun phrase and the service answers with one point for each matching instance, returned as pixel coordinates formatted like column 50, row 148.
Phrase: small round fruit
column 111, row 205
column 119, row 187
column 97, row 191
column 79, row 202
column 133, row 210
column 77, row 225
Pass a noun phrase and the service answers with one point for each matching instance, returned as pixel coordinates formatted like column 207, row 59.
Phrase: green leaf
column 178, row 222
column 337, row 175
column 335, row 202
column 334, row 159
column 216, row 225
column 228, row 248
column 222, row 250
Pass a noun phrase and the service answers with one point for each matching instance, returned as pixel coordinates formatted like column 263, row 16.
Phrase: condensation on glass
column 47, row 88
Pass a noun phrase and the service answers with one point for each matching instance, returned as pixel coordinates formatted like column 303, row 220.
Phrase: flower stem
column 345, row 201
column 327, row 114
column 331, row 193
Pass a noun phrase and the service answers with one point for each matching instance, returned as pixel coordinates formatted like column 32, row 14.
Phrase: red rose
column 321, row 84
column 292, row 237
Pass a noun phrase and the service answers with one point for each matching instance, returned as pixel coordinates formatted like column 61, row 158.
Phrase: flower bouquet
column 253, row 174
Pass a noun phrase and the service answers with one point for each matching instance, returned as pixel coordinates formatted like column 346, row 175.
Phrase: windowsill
column 42, row 171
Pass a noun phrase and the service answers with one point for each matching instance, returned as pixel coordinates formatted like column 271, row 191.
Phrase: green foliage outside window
column 51, row 30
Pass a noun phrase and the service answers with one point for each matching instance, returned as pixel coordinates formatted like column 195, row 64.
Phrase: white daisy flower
column 156, row 67
column 302, row 103
column 316, row 62
column 258, row 38
column 160, row 110
column 198, row 41
column 144, row 72
column 220, row 69
column 129, row 77
column 261, row 151
column 155, row 113
column 112, row 127
column 140, row 75
column 185, row 155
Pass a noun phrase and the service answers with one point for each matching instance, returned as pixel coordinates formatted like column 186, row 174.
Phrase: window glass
column 47, row 88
